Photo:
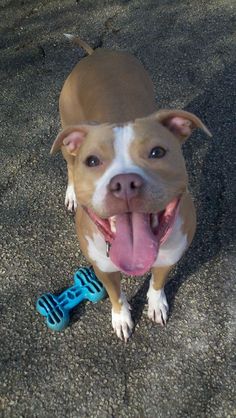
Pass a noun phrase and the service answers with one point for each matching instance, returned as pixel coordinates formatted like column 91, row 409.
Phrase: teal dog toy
column 56, row 308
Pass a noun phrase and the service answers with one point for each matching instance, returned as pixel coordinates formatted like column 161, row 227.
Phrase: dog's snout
column 126, row 186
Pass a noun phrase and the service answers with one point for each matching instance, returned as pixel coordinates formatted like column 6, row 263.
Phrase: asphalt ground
column 186, row 369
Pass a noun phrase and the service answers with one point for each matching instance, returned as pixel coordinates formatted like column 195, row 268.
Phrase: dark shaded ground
column 186, row 369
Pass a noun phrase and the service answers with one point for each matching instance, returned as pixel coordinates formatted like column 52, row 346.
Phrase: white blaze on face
column 122, row 163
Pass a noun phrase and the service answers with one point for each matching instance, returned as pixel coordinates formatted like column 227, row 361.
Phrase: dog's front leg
column 157, row 302
column 70, row 198
column 121, row 317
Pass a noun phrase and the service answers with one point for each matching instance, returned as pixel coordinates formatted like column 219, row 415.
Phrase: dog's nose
column 126, row 186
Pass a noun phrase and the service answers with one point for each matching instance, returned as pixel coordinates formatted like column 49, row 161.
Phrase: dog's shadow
column 138, row 301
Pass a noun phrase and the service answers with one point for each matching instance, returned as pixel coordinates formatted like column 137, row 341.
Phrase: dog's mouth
column 134, row 238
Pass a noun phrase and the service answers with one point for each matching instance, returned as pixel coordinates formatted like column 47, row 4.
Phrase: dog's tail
column 76, row 40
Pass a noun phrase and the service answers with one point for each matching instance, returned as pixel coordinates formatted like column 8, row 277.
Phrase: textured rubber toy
column 56, row 308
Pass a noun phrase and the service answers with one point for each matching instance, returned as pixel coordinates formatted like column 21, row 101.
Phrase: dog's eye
column 92, row 161
column 157, row 152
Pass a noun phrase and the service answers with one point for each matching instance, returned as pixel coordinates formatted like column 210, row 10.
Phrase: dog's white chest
column 97, row 252
column 172, row 250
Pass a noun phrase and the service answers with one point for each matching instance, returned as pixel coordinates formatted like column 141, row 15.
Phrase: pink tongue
column 135, row 247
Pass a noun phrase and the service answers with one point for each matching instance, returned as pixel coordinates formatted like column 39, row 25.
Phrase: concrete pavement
column 186, row 369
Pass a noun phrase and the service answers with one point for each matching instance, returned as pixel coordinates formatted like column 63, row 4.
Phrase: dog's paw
column 122, row 322
column 157, row 305
column 70, row 199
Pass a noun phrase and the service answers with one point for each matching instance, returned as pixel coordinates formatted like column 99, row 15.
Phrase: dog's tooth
column 113, row 228
column 112, row 221
column 154, row 220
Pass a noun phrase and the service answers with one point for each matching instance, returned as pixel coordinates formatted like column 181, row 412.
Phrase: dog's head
column 131, row 177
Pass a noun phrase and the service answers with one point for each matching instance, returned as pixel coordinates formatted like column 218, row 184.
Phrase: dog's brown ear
column 180, row 123
column 71, row 138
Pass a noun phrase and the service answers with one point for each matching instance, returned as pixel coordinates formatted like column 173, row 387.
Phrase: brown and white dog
column 126, row 176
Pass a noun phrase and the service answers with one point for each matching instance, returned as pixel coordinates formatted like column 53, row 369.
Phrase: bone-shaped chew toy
column 56, row 308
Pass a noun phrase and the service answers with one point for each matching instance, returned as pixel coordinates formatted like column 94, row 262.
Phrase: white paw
column 157, row 305
column 70, row 199
column 122, row 322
